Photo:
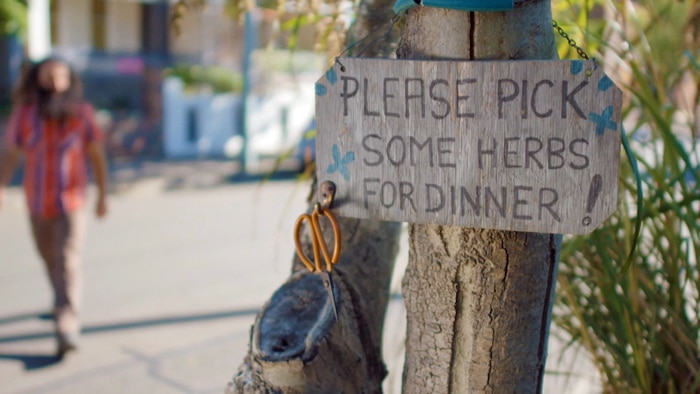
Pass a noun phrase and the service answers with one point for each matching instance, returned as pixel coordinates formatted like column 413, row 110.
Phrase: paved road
column 173, row 277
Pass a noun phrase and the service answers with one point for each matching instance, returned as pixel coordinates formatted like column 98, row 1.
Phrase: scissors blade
column 328, row 284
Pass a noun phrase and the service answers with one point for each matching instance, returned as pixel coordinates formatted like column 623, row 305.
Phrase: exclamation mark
column 593, row 193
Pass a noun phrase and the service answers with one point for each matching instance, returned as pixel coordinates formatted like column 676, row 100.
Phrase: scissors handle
column 318, row 242
column 297, row 243
column 337, row 239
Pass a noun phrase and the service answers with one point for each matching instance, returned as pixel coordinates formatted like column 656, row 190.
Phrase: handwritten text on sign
column 513, row 145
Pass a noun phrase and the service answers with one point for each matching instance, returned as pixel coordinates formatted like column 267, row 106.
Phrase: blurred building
column 114, row 38
column 122, row 47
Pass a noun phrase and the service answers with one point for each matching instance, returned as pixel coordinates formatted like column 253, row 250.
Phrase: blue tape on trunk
column 463, row 5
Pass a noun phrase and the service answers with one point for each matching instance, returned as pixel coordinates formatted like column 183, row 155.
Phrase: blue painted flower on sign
column 605, row 83
column 331, row 77
column 340, row 163
column 603, row 121
column 576, row 67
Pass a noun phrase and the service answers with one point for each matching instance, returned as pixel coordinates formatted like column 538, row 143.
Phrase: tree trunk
column 478, row 301
column 296, row 344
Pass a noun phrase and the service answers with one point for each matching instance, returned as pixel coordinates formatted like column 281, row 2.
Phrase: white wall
column 39, row 31
column 215, row 123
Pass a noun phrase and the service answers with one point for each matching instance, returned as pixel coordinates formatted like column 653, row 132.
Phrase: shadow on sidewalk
column 32, row 361
column 191, row 174
column 38, row 361
column 95, row 329
column 25, row 316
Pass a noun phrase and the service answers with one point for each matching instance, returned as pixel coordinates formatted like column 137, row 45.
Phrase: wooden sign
column 512, row 145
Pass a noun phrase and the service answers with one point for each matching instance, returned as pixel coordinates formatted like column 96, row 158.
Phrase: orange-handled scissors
column 320, row 248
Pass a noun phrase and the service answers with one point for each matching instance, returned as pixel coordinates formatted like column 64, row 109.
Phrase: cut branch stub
column 295, row 321
column 298, row 347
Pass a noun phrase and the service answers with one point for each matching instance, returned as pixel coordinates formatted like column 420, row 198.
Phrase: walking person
column 56, row 132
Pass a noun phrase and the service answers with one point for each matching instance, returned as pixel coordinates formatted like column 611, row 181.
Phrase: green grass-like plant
column 640, row 323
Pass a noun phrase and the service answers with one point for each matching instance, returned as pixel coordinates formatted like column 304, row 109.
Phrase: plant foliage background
column 640, row 324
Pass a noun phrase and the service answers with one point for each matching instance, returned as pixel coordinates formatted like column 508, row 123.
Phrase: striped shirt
column 55, row 150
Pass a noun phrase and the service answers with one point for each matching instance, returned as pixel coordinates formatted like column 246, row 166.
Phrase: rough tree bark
column 478, row 301
column 296, row 345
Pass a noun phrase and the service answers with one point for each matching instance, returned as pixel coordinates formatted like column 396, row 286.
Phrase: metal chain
column 570, row 40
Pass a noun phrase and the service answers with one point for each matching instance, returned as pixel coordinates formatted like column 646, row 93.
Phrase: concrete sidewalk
column 173, row 280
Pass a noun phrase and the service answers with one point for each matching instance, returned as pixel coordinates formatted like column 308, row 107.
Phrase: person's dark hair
column 29, row 92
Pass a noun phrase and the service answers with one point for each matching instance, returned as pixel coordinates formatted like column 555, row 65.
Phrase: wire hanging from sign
column 384, row 36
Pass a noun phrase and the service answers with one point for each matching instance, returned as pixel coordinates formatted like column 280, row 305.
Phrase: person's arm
column 98, row 162
column 8, row 162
